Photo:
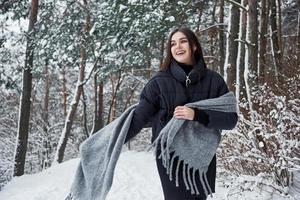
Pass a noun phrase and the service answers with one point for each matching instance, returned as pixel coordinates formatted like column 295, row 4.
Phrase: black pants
column 171, row 192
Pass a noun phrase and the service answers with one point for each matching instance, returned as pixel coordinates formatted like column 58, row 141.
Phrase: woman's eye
column 172, row 44
column 183, row 41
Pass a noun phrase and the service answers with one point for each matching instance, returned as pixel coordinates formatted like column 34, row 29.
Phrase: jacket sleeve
column 217, row 119
column 147, row 107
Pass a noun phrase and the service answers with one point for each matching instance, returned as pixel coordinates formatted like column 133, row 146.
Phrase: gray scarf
column 193, row 143
column 190, row 141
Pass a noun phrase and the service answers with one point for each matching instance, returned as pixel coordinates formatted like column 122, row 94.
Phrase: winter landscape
column 70, row 67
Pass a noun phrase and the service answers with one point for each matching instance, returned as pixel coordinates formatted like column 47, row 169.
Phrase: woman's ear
column 194, row 48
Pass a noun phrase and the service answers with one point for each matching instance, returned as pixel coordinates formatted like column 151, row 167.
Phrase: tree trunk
column 98, row 106
column 263, row 72
column 65, row 93
column 252, row 53
column 45, row 115
column 84, row 115
column 212, row 35
column 298, row 35
column 59, row 155
column 253, row 40
column 162, row 49
column 113, row 104
column 221, row 39
column 241, row 89
column 149, row 69
column 230, row 62
column 275, row 42
column 279, row 22
column 25, row 101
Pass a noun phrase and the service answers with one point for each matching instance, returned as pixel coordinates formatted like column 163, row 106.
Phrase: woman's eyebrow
column 179, row 39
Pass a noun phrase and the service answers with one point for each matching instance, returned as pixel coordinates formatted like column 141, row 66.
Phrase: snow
column 135, row 178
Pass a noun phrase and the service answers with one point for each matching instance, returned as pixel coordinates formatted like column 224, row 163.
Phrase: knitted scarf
column 194, row 145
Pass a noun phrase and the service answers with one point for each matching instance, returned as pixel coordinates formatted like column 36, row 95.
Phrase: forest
column 69, row 67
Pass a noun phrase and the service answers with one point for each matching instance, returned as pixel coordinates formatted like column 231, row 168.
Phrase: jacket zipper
column 187, row 83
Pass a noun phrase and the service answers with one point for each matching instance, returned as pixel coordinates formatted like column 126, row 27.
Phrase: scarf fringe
column 188, row 178
column 69, row 197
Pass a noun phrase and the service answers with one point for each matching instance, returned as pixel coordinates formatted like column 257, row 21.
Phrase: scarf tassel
column 189, row 179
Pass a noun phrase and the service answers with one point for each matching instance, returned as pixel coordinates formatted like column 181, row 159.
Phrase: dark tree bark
column 277, row 54
column 84, row 115
column 162, row 47
column 263, row 71
column 252, row 32
column 298, row 35
column 241, row 63
column 98, row 105
column 212, row 35
column 24, row 115
column 232, row 47
column 253, row 40
column 221, row 39
column 113, row 102
column 65, row 93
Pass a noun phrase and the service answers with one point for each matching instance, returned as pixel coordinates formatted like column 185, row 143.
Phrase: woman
column 183, row 78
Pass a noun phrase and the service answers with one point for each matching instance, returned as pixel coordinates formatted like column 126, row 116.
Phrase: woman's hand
column 183, row 112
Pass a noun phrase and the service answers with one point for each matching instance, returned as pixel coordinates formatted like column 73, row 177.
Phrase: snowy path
column 136, row 178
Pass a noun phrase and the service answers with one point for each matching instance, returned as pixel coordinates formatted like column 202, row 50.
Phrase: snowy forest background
column 67, row 68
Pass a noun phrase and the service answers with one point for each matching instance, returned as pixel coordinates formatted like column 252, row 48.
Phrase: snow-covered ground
column 135, row 178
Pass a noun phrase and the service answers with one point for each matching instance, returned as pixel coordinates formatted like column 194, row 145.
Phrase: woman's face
column 180, row 49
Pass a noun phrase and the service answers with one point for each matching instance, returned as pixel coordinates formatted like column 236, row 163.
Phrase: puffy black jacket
column 172, row 88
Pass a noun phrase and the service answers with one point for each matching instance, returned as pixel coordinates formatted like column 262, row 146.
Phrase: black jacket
column 172, row 88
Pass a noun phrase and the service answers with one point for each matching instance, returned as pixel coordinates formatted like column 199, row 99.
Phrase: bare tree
column 25, row 102
column 59, row 155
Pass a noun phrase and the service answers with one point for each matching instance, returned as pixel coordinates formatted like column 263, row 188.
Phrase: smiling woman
column 183, row 78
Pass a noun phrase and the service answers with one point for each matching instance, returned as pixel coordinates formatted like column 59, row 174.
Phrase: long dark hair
column 192, row 40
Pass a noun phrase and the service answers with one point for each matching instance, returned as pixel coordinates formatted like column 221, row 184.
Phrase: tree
column 59, row 155
column 23, row 127
column 275, row 46
column 241, row 85
column 232, row 47
column 221, row 38
column 263, row 68
column 298, row 34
